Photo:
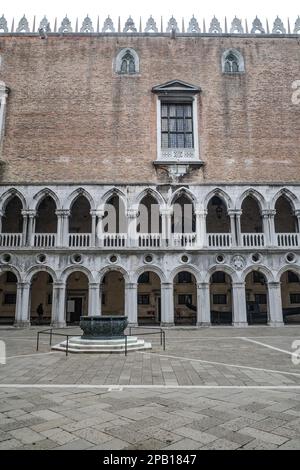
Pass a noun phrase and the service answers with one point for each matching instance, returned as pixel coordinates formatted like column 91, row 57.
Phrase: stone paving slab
column 190, row 409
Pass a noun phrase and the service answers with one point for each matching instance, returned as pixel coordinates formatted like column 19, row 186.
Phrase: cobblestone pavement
column 213, row 388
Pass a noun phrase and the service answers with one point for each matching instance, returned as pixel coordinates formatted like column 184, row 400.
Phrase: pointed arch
column 150, row 192
column 110, row 193
column 76, row 194
column 232, row 61
column 133, row 60
column 251, row 192
column 10, row 194
column 41, row 195
column 289, row 195
column 180, row 192
column 221, row 194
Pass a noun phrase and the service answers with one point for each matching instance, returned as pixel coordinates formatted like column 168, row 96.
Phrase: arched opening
column 46, row 219
column 77, row 288
column 149, row 222
column 221, row 298
column 114, row 222
column 113, row 293
column 285, row 220
column 183, row 222
column 12, row 220
column 256, row 298
column 185, row 299
column 127, row 63
column 251, row 223
column 231, row 64
column 290, row 297
column 8, row 297
column 218, row 223
column 149, row 299
column 80, row 223
column 41, row 290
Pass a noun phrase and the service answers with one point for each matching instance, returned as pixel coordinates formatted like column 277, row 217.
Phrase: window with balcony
column 177, row 122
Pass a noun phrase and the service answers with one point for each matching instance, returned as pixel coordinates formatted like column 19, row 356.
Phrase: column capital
column 203, row 285
column 268, row 212
column 166, row 285
column 132, row 213
column 237, row 212
column 238, row 285
column 59, row 285
column 28, row 213
column 168, row 211
column 274, row 285
column 131, row 285
column 23, row 285
column 297, row 212
column 62, row 212
column 200, row 212
column 94, row 285
column 98, row 213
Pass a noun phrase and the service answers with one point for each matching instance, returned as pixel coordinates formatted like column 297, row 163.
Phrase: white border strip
column 112, row 388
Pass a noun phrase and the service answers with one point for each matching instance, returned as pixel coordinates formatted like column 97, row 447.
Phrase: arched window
column 127, row 62
column 232, row 62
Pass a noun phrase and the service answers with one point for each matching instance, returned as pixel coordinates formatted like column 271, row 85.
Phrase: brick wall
column 71, row 118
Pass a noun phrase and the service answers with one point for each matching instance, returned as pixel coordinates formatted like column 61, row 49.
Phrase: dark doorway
column 74, row 316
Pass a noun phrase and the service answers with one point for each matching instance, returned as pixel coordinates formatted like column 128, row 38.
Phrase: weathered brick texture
column 71, row 118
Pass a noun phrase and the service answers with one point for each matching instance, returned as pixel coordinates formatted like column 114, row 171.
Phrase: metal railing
column 161, row 332
column 51, row 333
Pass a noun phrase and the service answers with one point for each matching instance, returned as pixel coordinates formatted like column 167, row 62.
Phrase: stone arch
column 36, row 269
column 259, row 198
column 221, row 267
column 76, row 267
column 41, row 195
column 107, row 269
column 189, row 268
column 239, row 58
column 221, row 194
column 151, row 268
column 118, row 60
column 287, row 267
column 10, row 194
column 149, row 192
column 110, row 193
column 263, row 269
column 13, row 269
column 180, row 192
column 76, row 194
column 290, row 196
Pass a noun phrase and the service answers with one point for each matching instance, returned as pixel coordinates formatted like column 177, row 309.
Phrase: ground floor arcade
column 150, row 300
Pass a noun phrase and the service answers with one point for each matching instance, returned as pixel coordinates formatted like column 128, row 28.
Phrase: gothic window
column 176, row 125
column 127, row 62
column 232, row 62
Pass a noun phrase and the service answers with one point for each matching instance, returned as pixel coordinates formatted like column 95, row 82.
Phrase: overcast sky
column 137, row 8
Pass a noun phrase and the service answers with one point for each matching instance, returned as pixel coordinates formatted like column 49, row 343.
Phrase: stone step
column 79, row 345
column 117, row 341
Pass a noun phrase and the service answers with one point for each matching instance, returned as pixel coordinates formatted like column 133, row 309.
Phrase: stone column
column 31, row 227
column 231, row 214
column 131, row 307
column 131, row 230
column 297, row 214
column 275, row 316
column 93, row 234
column 94, row 299
column 22, row 316
column 58, row 313
column 239, row 240
column 200, row 227
column 99, row 227
column 166, row 214
column 239, row 310
column 59, row 236
column 273, row 238
column 167, row 304
column 4, row 91
column 266, row 227
column 65, row 227
column 1, row 215
column 203, row 304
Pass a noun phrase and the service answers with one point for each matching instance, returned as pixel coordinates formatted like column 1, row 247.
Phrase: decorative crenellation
column 237, row 26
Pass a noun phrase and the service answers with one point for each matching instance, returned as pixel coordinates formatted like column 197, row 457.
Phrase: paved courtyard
column 213, row 388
